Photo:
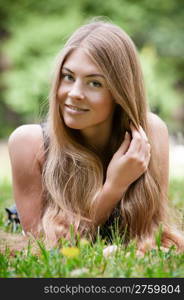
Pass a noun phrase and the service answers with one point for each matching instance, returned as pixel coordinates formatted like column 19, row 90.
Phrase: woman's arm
column 25, row 145
column 128, row 164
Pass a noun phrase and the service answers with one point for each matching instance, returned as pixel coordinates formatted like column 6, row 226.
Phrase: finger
column 147, row 155
column 133, row 128
column 145, row 144
column 142, row 132
column 139, row 144
column 135, row 132
column 136, row 143
column 126, row 143
column 145, row 149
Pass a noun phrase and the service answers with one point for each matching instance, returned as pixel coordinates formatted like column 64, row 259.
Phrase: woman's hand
column 129, row 162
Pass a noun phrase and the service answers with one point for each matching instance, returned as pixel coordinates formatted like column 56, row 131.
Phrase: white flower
column 78, row 272
column 110, row 250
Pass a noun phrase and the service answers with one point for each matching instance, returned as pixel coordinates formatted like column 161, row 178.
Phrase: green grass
column 90, row 261
column 176, row 192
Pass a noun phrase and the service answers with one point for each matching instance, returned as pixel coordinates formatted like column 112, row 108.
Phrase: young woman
column 100, row 154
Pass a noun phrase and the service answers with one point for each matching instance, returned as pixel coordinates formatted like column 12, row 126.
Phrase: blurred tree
column 36, row 30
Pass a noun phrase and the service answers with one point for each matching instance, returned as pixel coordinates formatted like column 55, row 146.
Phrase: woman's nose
column 76, row 91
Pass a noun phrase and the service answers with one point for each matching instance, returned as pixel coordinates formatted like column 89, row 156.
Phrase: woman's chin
column 73, row 125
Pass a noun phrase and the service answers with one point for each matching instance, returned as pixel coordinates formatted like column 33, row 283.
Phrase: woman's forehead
column 79, row 60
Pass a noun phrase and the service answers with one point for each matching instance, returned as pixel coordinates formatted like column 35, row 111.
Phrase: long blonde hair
column 73, row 173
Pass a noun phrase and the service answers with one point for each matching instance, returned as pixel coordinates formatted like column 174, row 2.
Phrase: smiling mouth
column 75, row 108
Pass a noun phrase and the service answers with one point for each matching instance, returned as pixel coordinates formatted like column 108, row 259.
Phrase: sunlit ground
column 176, row 162
column 5, row 169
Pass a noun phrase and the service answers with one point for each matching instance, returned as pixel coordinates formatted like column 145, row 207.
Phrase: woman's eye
column 67, row 77
column 95, row 84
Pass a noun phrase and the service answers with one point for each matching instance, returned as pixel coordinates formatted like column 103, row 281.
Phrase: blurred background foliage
column 32, row 33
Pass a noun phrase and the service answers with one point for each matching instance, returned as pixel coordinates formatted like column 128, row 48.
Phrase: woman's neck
column 97, row 138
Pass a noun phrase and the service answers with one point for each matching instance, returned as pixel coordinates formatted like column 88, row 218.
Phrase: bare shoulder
column 158, row 130
column 156, row 124
column 26, row 143
column 30, row 131
column 159, row 135
column 25, row 149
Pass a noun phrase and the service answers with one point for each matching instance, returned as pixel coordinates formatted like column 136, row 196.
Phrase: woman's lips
column 72, row 108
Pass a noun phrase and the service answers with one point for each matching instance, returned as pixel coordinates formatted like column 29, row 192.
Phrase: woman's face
column 85, row 101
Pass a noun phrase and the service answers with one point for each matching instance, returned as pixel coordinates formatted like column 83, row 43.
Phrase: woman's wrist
column 105, row 202
column 115, row 191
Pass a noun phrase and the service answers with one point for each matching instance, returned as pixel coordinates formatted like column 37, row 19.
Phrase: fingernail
column 126, row 134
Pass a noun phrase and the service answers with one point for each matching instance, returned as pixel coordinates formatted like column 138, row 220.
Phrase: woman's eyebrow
column 90, row 75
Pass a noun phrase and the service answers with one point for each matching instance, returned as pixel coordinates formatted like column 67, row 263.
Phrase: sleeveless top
column 115, row 219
